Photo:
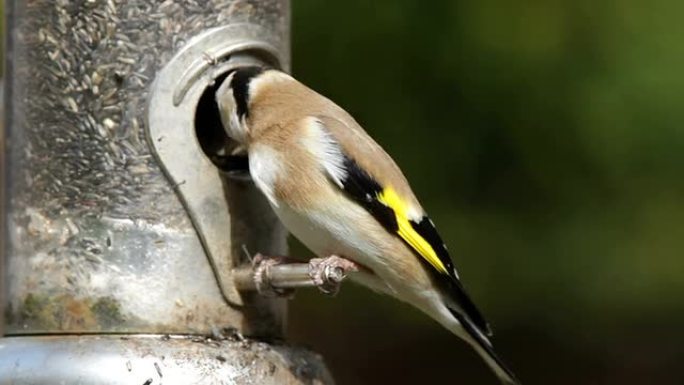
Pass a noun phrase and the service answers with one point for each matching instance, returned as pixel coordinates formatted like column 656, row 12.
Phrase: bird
column 336, row 190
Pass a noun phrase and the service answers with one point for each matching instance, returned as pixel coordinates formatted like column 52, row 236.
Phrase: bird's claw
column 328, row 273
column 261, row 266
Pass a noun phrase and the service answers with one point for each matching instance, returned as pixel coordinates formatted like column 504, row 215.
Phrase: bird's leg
column 328, row 273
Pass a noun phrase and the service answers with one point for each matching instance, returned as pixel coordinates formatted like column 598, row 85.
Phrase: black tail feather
column 502, row 371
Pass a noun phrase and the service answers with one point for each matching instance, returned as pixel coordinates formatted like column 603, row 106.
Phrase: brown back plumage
column 276, row 106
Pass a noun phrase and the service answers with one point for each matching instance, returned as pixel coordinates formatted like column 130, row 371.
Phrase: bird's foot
column 328, row 273
column 278, row 276
column 261, row 266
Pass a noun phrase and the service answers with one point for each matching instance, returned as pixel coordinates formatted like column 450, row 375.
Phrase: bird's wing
column 383, row 191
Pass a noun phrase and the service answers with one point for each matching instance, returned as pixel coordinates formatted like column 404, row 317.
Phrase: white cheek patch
column 235, row 128
column 265, row 168
column 324, row 147
column 238, row 127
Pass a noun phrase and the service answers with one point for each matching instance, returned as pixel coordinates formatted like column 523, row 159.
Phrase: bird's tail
column 484, row 348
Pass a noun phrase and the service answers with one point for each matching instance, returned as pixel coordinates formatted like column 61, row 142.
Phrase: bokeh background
column 545, row 139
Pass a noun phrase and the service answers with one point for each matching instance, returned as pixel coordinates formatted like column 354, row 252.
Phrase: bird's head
column 233, row 99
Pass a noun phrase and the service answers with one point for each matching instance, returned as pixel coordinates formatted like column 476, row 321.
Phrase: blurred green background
column 545, row 139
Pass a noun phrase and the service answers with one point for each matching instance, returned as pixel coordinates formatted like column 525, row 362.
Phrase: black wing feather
column 428, row 231
column 365, row 190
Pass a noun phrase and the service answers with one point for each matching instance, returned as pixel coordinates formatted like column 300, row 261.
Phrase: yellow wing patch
column 389, row 198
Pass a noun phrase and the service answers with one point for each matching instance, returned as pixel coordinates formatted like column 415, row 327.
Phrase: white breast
column 332, row 225
column 265, row 167
column 326, row 233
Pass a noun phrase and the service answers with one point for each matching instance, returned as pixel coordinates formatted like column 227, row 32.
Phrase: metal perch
column 273, row 276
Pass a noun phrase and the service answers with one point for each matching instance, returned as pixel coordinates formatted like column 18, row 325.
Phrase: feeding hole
column 212, row 137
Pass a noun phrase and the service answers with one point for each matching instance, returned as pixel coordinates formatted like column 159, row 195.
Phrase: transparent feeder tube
column 98, row 236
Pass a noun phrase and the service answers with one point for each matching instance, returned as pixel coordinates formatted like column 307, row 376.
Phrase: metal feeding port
column 229, row 216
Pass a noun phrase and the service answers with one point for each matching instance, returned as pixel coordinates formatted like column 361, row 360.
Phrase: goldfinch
column 341, row 194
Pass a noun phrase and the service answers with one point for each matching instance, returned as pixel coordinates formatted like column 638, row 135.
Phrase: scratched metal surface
column 96, row 239
column 150, row 360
